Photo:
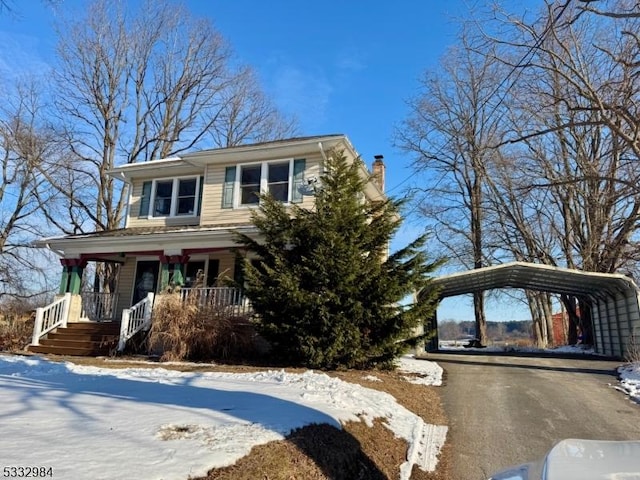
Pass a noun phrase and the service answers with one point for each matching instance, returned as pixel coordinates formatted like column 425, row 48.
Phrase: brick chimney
column 378, row 169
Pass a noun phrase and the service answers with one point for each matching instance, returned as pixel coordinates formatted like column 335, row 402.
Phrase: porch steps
column 86, row 339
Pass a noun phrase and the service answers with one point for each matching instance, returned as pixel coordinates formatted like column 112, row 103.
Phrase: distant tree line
column 496, row 331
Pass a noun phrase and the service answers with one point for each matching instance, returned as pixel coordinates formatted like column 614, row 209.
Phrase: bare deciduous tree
column 576, row 131
column 138, row 85
column 452, row 126
column 26, row 147
column 9, row 7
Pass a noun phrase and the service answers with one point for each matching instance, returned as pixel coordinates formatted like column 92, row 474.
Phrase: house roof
column 290, row 147
column 274, row 143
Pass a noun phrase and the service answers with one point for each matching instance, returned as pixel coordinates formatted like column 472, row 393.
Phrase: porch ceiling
column 145, row 239
column 536, row 277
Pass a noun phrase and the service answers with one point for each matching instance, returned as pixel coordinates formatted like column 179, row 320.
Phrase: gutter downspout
column 129, row 187
column 324, row 157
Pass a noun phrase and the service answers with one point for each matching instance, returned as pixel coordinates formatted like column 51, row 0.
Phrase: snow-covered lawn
column 155, row 423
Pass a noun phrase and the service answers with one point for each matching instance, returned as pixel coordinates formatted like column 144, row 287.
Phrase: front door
column 146, row 279
column 194, row 275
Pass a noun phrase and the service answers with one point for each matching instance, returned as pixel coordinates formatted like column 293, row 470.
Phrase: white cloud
column 307, row 89
column 19, row 57
column 303, row 92
column 350, row 60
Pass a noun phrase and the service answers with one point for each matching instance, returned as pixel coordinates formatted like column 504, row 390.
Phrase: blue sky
column 338, row 66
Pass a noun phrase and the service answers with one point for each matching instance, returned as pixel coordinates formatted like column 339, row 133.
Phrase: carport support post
column 600, row 327
column 617, row 310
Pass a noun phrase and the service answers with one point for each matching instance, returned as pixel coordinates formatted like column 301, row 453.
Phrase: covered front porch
column 110, row 282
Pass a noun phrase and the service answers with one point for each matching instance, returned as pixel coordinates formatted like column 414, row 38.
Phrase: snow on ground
column 630, row 380
column 430, row 373
column 94, row 423
column 460, row 345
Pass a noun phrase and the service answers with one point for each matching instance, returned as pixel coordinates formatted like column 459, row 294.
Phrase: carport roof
column 532, row 276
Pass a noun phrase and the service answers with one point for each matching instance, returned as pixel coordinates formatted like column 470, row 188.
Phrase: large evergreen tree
column 325, row 288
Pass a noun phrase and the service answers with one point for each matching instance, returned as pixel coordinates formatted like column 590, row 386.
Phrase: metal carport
column 614, row 298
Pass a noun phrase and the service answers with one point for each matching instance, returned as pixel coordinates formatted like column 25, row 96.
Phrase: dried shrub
column 188, row 330
column 16, row 330
column 633, row 349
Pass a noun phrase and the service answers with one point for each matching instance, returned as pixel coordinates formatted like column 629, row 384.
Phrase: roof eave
column 182, row 239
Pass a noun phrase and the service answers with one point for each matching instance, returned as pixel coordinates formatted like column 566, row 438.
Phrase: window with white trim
column 176, row 197
column 244, row 183
column 278, row 180
column 250, row 182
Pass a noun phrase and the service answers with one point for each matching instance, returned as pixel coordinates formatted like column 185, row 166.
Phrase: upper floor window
column 162, row 198
column 250, row 180
column 187, row 189
column 171, row 197
column 278, row 181
column 279, row 178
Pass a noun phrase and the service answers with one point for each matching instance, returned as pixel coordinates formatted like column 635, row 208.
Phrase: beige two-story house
column 181, row 217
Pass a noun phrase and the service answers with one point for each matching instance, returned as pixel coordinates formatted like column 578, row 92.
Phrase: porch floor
column 89, row 339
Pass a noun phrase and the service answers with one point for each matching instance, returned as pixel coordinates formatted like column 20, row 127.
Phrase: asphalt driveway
column 510, row 409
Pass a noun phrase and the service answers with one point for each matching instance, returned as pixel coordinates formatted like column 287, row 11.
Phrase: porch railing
column 232, row 300
column 135, row 319
column 99, row 306
column 51, row 317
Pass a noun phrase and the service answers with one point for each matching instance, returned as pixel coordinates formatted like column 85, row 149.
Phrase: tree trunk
column 481, row 321
column 572, row 329
column 586, row 325
column 536, row 301
column 546, row 310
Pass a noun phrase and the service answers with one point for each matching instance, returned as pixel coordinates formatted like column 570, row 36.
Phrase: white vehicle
column 574, row 459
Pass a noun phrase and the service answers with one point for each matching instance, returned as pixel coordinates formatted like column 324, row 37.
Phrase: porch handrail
column 230, row 298
column 135, row 319
column 49, row 318
column 98, row 306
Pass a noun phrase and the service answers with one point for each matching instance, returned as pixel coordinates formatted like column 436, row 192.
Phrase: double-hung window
column 250, row 179
column 171, row 197
column 244, row 183
column 187, row 189
column 162, row 198
column 278, row 180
